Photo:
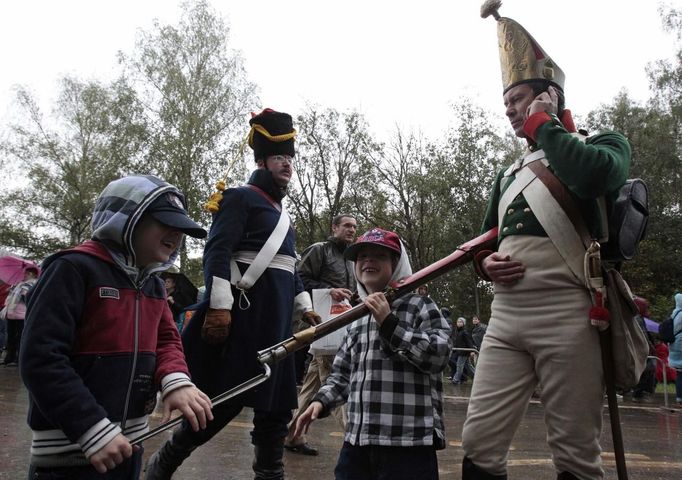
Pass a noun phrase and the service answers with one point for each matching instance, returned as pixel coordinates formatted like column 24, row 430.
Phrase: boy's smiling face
column 154, row 242
column 374, row 267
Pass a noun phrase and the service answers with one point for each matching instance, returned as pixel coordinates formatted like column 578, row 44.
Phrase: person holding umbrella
column 4, row 291
column 15, row 311
column 180, row 294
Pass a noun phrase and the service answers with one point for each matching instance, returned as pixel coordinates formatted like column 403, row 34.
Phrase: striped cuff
column 98, row 436
column 173, row 381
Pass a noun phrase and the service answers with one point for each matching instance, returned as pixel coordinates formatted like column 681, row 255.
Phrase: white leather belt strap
column 558, row 227
column 524, row 177
column 266, row 254
column 279, row 261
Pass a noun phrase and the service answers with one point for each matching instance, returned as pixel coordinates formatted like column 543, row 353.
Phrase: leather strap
column 564, row 199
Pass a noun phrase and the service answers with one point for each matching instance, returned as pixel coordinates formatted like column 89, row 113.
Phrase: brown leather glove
column 216, row 326
column 311, row 318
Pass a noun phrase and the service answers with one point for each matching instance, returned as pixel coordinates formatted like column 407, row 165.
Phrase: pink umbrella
column 12, row 269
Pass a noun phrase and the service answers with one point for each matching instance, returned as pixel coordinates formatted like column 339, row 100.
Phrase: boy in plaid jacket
column 389, row 370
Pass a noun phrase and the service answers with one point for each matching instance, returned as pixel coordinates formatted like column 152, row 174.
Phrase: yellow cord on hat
column 273, row 138
column 212, row 205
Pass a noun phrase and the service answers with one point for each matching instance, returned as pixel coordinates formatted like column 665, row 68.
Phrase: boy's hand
column 216, row 326
column 306, row 418
column 111, row 454
column 192, row 402
column 378, row 306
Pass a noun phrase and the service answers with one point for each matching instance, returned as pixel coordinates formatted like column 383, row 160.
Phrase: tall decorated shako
column 522, row 59
column 271, row 133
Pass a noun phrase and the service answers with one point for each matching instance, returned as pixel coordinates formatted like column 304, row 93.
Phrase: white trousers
column 539, row 331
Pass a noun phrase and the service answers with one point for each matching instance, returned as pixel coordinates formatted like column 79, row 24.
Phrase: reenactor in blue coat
column 250, row 300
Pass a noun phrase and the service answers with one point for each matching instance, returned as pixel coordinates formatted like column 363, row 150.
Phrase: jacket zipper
column 136, row 339
column 362, row 384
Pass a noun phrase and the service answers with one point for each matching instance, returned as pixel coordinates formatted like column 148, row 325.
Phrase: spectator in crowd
column 676, row 347
column 646, row 386
column 478, row 331
column 180, row 294
column 15, row 312
column 330, row 280
column 663, row 353
column 462, row 352
column 4, row 290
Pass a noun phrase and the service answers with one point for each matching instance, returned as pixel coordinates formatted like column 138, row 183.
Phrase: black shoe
column 472, row 472
column 268, row 464
column 303, row 449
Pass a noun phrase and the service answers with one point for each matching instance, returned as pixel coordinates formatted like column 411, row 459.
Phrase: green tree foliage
column 654, row 130
column 196, row 96
column 332, row 147
column 98, row 133
column 433, row 194
column 473, row 152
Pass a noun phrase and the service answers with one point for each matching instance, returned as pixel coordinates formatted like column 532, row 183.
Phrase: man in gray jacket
column 323, row 267
column 478, row 331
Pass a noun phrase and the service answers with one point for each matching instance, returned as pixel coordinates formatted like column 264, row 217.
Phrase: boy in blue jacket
column 100, row 340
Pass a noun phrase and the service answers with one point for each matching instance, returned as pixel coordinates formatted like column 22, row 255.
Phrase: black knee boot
column 472, row 472
column 268, row 464
column 566, row 476
column 168, row 458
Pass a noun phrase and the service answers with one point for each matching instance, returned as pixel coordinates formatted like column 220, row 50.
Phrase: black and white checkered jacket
column 391, row 377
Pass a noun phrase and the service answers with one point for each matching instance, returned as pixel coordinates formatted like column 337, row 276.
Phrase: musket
column 462, row 254
column 233, row 392
column 269, row 356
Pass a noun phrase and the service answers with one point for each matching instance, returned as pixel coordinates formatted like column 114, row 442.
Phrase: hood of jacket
column 117, row 212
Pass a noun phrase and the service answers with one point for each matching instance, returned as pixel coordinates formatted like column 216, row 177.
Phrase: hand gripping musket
column 268, row 357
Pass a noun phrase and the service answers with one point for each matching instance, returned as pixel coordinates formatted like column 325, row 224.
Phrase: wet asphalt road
column 653, row 442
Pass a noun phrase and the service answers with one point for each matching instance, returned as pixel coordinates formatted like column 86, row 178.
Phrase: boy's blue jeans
column 128, row 470
column 374, row 462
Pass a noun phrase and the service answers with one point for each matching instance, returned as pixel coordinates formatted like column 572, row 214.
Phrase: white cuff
column 98, row 436
column 302, row 304
column 173, row 381
column 221, row 294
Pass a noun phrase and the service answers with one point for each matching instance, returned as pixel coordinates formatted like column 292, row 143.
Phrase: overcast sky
column 398, row 62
